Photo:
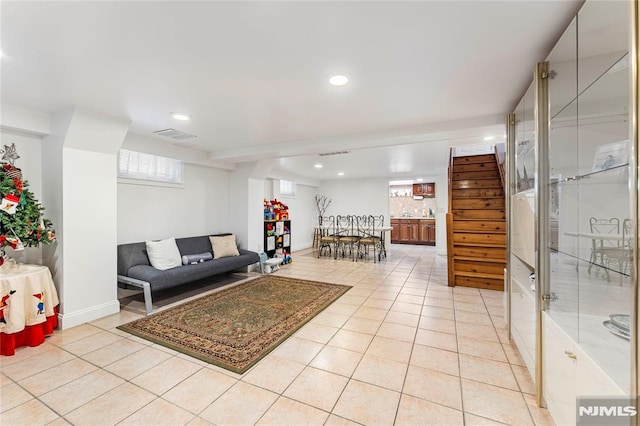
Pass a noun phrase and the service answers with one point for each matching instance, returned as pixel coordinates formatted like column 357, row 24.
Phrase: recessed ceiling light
column 338, row 80
column 340, row 173
column 488, row 138
column 179, row 116
column 318, row 166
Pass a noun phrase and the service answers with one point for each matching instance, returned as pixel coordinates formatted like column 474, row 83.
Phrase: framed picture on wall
column 611, row 155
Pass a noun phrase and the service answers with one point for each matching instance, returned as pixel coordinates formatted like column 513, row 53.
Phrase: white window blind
column 138, row 165
column 287, row 188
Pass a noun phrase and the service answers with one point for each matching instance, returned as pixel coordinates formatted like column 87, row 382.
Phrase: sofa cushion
column 188, row 273
column 163, row 254
column 224, row 246
column 190, row 259
column 130, row 255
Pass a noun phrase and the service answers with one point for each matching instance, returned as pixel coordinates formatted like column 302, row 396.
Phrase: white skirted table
column 28, row 305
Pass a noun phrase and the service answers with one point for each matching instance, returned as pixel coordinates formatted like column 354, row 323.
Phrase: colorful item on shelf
column 275, row 210
column 270, row 229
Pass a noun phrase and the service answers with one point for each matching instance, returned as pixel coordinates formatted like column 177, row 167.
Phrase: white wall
column 237, row 205
column 302, row 212
column 442, row 201
column 148, row 212
column 29, row 149
column 255, row 216
column 357, row 196
column 90, row 234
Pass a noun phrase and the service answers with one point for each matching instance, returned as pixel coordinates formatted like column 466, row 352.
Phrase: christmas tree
column 22, row 223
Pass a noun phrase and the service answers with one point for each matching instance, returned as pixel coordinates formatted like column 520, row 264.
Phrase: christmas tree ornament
column 12, row 171
column 9, row 204
column 18, row 184
column 15, row 243
column 9, row 153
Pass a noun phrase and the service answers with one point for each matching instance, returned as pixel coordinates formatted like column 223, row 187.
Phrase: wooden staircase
column 476, row 228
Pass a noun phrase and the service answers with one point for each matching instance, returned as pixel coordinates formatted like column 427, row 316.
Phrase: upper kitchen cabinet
column 424, row 189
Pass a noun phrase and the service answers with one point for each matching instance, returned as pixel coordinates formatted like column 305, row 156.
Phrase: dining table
column 28, row 305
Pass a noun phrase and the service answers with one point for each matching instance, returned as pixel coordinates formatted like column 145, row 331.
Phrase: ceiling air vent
column 174, row 134
column 334, row 153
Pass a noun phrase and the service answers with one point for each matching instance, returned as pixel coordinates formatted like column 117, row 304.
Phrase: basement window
column 287, row 188
column 147, row 167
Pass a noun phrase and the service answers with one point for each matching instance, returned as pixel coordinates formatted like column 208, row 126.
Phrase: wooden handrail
column 449, row 216
column 450, row 269
column 500, row 166
column 451, row 180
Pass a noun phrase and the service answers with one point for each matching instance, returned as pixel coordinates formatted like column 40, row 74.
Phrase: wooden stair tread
column 481, row 197
column 479, row 275
column 461, row 178
column 476, row 231
column 483, row 208
column 479, row 245
column 470, row 159
column 465, row 219
column 481, row 177
column 481, row 259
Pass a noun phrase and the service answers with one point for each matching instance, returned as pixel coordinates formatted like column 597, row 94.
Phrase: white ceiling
column 253, row 75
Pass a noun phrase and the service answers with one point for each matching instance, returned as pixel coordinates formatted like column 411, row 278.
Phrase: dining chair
column 328, row 240
column 346, row 229
column 369, row 237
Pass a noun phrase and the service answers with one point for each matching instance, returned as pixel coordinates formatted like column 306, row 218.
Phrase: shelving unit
column 277, row 237
column 569, row 149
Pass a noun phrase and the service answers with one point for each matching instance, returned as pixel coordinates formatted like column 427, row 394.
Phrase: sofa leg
column 146, row 288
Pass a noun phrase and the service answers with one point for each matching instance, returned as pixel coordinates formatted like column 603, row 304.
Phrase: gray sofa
column 134, row 268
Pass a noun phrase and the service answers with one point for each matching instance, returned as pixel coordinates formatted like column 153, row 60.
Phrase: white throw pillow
column 164, row 254
column 224, row 246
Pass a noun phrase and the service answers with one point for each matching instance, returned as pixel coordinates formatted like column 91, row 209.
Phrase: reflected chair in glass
column 370, row 237
column 346, row 230
column 618, row 259
column 604, row 242
column 328, row 239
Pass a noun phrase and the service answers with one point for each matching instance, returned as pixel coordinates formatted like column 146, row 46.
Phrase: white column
column 79, row 176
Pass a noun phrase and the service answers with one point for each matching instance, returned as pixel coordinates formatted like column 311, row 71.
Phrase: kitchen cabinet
column 405, row 231
column 424, row 189
column 413, row 231
column 428, row 232
column 395, row 230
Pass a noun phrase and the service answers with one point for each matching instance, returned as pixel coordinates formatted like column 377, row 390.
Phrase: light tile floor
column 399, row 348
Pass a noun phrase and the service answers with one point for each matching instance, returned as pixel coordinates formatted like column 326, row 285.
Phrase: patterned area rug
column 236, row 327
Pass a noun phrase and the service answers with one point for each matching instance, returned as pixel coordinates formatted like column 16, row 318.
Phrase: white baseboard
column 71, row 319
